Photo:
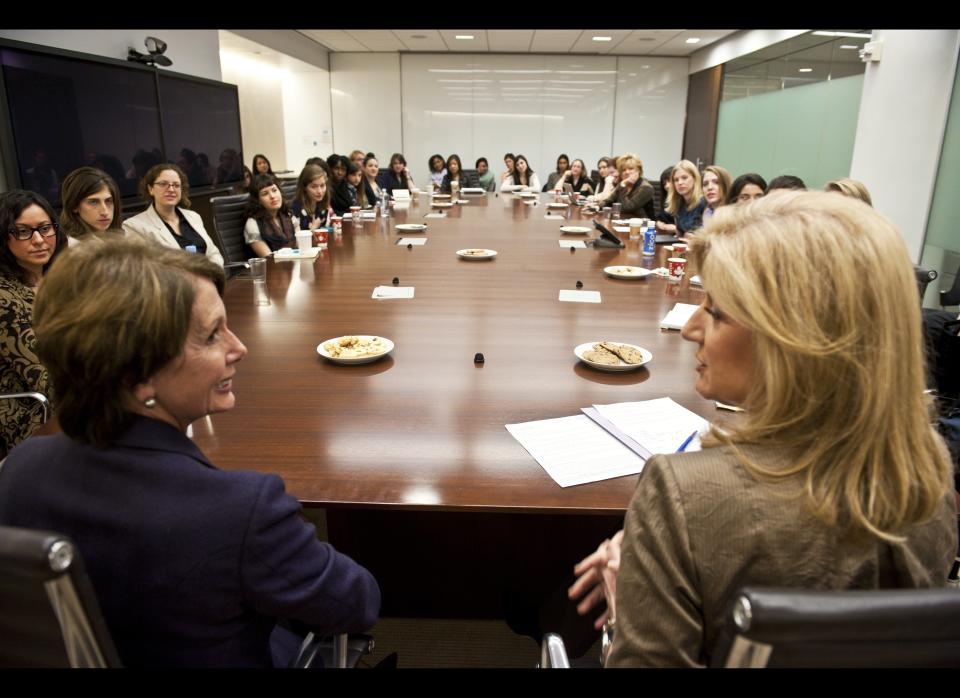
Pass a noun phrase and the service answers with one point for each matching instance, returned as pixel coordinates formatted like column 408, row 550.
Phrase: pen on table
column 686, row 443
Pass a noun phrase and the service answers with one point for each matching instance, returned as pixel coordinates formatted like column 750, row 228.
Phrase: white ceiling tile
column 376, row 39
column 432, row 41
column 554, row 40
column 334, row 39
column 586, row 44
column 509, row 40
column 477, row 44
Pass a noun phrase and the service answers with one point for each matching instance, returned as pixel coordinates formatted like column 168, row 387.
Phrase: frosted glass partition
column 805, row 131
column 365, row 94
column 487, row 105
column 651, row 110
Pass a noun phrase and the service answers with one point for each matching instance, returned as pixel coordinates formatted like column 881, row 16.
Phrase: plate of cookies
column 476, row 253
column 612, row 356
column 355, row 349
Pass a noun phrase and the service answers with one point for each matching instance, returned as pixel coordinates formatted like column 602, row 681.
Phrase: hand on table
column 598, row 579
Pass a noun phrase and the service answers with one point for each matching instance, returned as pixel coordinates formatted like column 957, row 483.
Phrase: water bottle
column 649, row 240
column 385, row 205
column 192, row 249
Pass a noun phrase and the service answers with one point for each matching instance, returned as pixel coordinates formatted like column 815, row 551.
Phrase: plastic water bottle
column 385, row 205
column 192, row 249
column 649, row 240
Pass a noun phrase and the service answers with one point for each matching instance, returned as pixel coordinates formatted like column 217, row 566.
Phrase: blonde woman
column 850, row 187
column 685, row 203
column 833, row 479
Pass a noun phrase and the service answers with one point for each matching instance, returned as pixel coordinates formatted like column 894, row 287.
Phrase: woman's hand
column 315, row 223
column 598, row 579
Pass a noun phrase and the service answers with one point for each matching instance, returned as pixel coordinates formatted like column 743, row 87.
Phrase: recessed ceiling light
column 805, row 70
column 603, row 38
column 418, row 36
column 848, row 46
column 645, row 66
column 464, row 36
column 693, row 40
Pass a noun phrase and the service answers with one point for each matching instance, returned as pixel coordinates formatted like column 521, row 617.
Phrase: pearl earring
column 150, row 403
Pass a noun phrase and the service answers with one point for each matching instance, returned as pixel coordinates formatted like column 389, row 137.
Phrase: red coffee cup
column 680, row 249
column 676, row 266
column 320, row 237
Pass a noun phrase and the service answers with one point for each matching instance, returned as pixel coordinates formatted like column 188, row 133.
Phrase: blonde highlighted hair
column 629, row 160
column 850, row 187
column 675, row 201
column 826, row 285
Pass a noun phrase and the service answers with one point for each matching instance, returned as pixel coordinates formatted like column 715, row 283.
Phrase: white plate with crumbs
column 411, row 227
column 598, row 355
column 441, row 204
column 626, row 272
column 355, row 349
column 441, row 196
column 557, row 204
column 574, row 229
column 476, row 253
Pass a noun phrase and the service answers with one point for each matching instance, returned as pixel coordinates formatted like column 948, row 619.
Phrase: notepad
column 678, row 317
column 401, row 193
column 412, row 241
column 388, row 292
column 436, row 215
column 580, row 296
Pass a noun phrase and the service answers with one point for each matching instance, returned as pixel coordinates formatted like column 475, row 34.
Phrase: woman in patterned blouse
column 31, row 239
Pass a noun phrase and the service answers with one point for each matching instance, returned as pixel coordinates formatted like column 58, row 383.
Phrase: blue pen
column 686, row 443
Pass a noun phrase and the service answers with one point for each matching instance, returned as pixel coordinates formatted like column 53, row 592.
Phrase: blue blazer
column 191, row 565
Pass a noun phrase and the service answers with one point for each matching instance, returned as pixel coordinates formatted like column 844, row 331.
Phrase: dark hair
column 562, row 156
column 107, row 318
column 151, row 177
column 786, row 182
column 367, row 158
column 511, row 156
column 254, row 208
column 610, row 162
column 479, row 160
column 315, row 161
column 436, row 156
column 353, row 168
column 77, row 186
column 343, row 161
column 307, row 175
column 516, row 175
column 397, row 157
column 12, row 204
column 743, row 180
column 456, row 159
column 258, row 156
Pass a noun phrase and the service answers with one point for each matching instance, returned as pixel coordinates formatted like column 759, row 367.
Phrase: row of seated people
column 806, row 491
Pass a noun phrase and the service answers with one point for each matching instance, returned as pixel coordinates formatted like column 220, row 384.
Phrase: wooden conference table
column 409, row 455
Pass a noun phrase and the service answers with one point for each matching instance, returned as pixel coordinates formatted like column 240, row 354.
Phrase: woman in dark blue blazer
column 192, row 565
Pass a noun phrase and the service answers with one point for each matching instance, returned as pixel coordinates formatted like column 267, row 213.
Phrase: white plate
column 441, row 196
column 441, row 204
column 647, row 356
column 359, row 359
column 526, row 194
column 557, row 204
column 575, row 229
column 486, row 254
column 624, row 271
column 411, row 227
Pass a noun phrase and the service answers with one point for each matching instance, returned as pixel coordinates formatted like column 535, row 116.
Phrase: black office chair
column 51, row 617
column 951, row 297
column 797, row 628
column 289, row 188
column 471, row 178
column 924, row 277
column 229, row 215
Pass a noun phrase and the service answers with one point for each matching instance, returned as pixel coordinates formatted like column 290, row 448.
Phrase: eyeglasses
column 26, row 232
column 167, row 185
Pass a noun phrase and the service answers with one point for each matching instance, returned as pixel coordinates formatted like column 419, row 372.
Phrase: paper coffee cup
column 676, row 266
column 304, row 240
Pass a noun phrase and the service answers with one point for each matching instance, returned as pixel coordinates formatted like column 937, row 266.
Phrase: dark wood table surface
column 423, row 429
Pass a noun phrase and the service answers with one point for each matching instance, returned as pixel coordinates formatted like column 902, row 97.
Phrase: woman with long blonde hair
column 685, row 203
column 833, row 479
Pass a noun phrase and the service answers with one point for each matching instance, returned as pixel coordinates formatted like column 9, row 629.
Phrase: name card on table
column 412, row 241
column 572, row 243
column 580, row 296
column 388, row 292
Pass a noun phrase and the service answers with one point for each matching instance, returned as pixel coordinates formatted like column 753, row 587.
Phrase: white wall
column 903, row 112
column 307, row 127
column 193, row 51
column 365, row 94
column 260, row 94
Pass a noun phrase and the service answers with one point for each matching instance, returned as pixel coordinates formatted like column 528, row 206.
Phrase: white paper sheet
column 572, row 243
column 412, row 241
column 574, row 450
column 678, row 317
column 387, row 292
column 436, row 215
column 660, row 426
column 553, row 217
column 622, row 228
column 580, row 296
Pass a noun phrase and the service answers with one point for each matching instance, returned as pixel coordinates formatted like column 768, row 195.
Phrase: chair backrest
column 229, row 215
column 471, row 178
column 795, row 628
column 657, row 197
column 50, row 616
column 289, row 189
column 924, row 277
column 952, row 295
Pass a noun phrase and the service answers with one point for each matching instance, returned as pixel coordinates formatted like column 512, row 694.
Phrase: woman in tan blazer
column 833, row 478
column 168, row 220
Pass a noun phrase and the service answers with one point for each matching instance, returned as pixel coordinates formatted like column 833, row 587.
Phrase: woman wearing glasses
column 168, row 219
column 31, row 239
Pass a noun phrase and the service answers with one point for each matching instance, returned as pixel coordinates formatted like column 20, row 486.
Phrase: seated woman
column 666, row 185
column 850, row 187
column 605, row 181
column 270, row 226
column 397, row 177
column 261, row 165
column 371, row 190
column 833, row 479
column 357, row 157
column 454, row 174
column 91, row 204
column 352, row 187
column 563, row 166
column 244, row 186
column 192, row 565
column 311, row 205
column 686, row 203
column 338, row 164
column 746, row 188
column 716, row 184
column 523, row 178
column 168, row 219
column 575, row 180
column 633, row 193
column 437, row 171
column 31, row 241
column 484, row 175
column 510, row 161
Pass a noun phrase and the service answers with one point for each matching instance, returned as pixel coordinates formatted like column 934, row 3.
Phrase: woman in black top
column 397, row 176
column 454, row 174
column 339, row 198
column 576, row 178
column 312, row 201
column 371, row 168
column 261, row 165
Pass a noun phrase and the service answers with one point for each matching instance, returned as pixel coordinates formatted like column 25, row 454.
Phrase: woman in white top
column 270, row 225
column 168, row 220
column 523, row 178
